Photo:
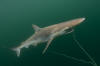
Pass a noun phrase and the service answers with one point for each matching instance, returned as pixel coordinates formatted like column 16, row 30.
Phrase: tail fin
column 17, row 50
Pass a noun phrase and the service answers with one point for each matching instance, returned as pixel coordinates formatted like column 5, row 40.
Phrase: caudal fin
column 17, row 50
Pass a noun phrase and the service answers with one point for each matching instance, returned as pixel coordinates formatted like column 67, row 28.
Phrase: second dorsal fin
column 35, row 27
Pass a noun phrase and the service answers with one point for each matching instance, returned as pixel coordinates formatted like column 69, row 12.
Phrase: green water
column 17, row 17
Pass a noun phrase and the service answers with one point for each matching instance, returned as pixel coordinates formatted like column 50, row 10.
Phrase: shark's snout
column 76, row 22
column 80, row 20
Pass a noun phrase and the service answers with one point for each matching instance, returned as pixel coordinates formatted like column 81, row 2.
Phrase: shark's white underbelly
column 58, row 33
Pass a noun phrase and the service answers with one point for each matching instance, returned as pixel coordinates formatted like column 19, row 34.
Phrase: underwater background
column 17, row 17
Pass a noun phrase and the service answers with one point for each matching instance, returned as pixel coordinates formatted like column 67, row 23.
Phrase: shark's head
column 75, row 22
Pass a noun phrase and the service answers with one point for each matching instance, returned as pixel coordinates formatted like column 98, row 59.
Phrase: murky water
column 17, row 17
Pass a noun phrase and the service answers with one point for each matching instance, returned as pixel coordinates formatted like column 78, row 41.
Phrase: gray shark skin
column 47, row 34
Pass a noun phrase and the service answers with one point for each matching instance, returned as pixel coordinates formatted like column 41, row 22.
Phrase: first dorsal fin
column 35, row 27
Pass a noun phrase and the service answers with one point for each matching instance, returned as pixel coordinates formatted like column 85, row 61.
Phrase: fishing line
column 81, row 47
column 70, row 57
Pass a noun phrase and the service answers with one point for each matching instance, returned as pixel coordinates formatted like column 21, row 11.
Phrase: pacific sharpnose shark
column 47, row 34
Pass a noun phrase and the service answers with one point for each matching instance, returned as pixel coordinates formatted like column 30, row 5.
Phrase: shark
column 47, row 34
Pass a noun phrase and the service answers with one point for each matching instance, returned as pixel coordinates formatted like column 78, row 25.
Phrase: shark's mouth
column 69, row 30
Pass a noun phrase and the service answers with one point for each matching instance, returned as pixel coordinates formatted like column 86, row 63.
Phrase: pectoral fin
column 47, row 45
